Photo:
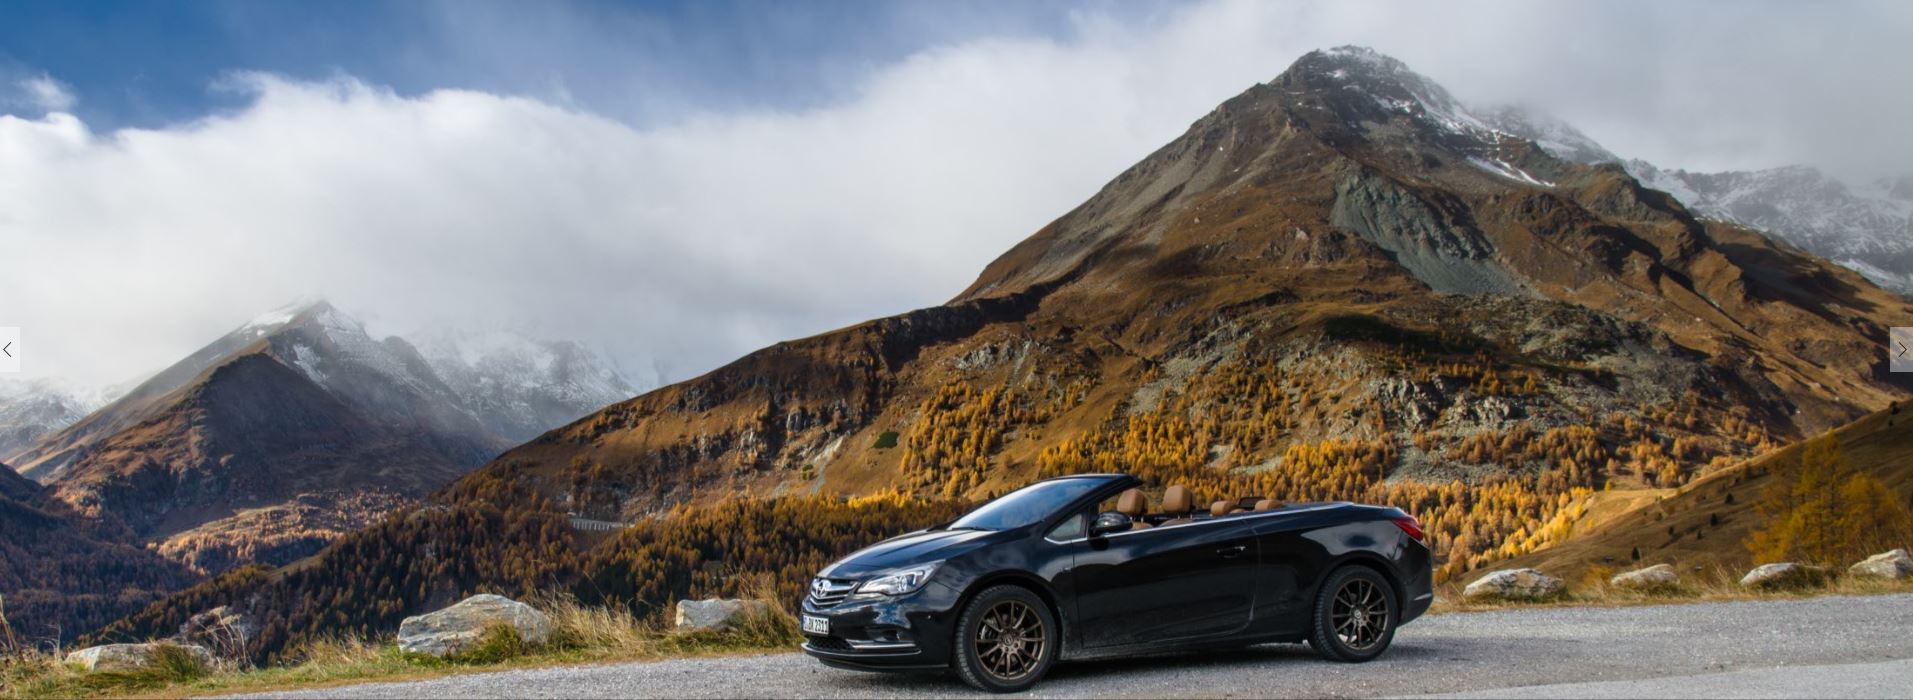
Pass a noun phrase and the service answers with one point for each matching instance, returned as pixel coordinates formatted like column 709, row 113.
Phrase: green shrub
column 886, row 440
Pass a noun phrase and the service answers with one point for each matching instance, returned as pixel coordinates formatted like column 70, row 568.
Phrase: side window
column 1071, row 528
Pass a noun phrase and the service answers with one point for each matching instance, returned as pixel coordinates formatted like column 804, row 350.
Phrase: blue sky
column 147, row 64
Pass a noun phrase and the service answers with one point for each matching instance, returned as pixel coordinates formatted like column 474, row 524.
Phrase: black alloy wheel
column 1354, row 615
column 1006, row 640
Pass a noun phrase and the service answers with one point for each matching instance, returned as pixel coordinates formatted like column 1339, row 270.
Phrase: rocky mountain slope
column 1338, row 284
column 273, row 441
column 1385, row 265
column 1867, row 228
column 299, row 413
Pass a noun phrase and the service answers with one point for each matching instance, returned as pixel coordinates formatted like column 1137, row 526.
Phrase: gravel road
column 1818, row 647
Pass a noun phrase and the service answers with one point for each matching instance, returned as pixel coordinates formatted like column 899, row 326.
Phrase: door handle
column 1232, row 552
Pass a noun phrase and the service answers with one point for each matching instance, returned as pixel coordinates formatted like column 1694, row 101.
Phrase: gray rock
column 1516, row 584
column 1656, row 576
column 1888, row 565
column 122, row 658
column 1784, row 575
column 449, row 630
column 716, row 613
column 219, row 627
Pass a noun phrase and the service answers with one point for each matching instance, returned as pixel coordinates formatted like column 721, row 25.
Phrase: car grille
column 825, row 592
column 828, row 644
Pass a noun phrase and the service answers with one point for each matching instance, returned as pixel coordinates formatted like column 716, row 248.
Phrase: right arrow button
column 1899, row 350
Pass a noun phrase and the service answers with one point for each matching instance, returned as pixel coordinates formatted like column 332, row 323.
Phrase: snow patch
column 307, row 361
column 1503, row 169
column 520, row 384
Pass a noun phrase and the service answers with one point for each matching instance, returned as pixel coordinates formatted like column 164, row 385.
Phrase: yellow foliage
column 1820, row 509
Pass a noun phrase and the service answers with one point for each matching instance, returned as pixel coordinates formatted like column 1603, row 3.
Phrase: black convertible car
column 1074, row 568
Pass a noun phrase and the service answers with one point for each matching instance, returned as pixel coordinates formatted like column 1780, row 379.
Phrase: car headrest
column 1131, row 503
column 1177, row 500
column 1221, row 508
column 1268, row 504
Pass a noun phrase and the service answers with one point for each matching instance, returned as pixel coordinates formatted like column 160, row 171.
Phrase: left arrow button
column 9, row 349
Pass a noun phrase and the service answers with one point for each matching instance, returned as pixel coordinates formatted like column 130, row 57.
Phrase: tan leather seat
column 1222, row 508
column 1178, row 503
column 1132, row 503
column 1267, row 504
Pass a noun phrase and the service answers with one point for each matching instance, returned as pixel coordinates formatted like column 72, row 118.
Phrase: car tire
column 1350, row 604
column 990, row 660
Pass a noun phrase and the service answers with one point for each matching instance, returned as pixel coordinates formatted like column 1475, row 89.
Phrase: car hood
column 904, row 550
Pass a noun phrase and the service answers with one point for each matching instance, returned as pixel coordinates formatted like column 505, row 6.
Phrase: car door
column 1286, row 554
column 1165, row 583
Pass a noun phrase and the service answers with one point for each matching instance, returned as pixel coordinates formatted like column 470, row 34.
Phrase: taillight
column 1410, row 525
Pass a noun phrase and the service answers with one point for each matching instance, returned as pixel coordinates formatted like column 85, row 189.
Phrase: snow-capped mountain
column 1867, row 228
column 1553, row 135
column 1864, row 227
column 265, row 444
column 299, row 426
column 30, row 409
column 384, row 382
column 520, row 386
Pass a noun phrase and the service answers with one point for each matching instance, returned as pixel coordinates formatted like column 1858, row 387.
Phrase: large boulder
column 1516, row 584
column 1889, row 565
column 1784, row 575
column 125, row 658
column 1656, row 576
column 452, row 629
column 716, row 614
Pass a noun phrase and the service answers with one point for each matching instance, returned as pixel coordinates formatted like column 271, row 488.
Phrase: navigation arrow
column 8, row 349
column 1902, row 349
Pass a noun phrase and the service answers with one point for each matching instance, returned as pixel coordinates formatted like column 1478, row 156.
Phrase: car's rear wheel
column 1355, row 615
column 1006, row 640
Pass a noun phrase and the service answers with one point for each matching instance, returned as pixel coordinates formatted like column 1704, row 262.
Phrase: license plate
column 816, row 625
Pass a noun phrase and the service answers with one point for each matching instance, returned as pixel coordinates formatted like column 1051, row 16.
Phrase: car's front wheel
column 1006, row 640
column 1355, row 615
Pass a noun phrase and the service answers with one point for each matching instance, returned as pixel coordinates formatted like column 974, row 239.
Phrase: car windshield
column 1027, row 506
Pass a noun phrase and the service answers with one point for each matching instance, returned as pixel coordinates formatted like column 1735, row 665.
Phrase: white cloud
column 46, row 94
column 691, row 243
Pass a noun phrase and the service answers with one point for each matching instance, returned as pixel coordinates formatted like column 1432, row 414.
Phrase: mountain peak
column 1360, row 86
column 1365, row 70
column 303, row 310
column 1354, row 58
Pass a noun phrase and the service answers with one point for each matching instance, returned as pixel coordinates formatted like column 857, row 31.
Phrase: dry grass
column 580, row 634
column 36, row 673
column 1707, row 522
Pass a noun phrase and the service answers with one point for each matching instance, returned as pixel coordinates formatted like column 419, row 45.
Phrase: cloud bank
column 682, row 245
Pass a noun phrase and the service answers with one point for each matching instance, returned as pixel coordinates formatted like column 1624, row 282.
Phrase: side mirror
column 1110, row 523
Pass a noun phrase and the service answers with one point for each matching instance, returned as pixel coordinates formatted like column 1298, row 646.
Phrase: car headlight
column 898, row 582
